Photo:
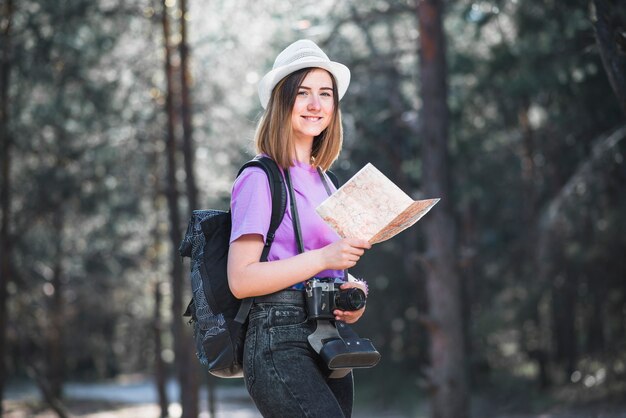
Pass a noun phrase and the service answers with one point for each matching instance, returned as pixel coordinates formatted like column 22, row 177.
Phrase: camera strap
column 294, row 213
column 325, row 331
column 294, row 207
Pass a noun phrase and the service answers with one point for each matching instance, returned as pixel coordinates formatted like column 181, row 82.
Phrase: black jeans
column 285, row 377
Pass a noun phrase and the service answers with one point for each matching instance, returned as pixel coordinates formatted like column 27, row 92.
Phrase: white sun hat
column 302, row 54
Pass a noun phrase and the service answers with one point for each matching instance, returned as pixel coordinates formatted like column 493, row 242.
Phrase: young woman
column 301, row 131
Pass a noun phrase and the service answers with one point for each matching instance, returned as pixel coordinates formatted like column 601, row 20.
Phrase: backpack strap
column 279, row 196
column 333, row 178
column 279, row 205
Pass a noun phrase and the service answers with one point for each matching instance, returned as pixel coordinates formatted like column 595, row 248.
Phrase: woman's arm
column 247, row 276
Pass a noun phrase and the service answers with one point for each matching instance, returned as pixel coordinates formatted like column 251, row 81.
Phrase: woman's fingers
column 345, row 253
column 349, row 317
column 358, row 243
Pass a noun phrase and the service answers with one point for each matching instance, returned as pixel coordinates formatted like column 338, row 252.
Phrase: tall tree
column 55, row 359
column 160, row 374
column 447, row 350
column 6, row 17
column 182, row 347
column 610, row 29
column 160, row 370
column 186, row 109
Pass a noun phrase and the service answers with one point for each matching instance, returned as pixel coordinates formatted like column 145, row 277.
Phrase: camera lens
column 351, row 299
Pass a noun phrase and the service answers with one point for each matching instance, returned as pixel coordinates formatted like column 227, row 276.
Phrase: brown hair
column 274, row 135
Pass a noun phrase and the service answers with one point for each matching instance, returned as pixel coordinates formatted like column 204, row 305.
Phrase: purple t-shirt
column 251, row 209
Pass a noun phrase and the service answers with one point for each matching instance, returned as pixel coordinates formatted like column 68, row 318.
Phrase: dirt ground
column 236, row 404
column 100, row 409
column 86, row 409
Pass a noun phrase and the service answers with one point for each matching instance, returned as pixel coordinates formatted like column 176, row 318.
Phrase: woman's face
column 313, row 108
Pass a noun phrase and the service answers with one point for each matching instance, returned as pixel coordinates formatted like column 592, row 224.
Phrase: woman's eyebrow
column 321, row 88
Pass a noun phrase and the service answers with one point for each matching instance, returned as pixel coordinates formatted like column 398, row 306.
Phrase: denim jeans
column 285, row 377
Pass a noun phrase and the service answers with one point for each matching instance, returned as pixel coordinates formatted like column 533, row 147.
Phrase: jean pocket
column 289, row 330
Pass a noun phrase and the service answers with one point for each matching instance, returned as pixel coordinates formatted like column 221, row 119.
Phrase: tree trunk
column 44, row 386
column 160, row 370
column 188, row 152
column 182, row 347
column 192, row 190
column 447, row 351
column 596, row 340
column 54, row 344
column 469, row 241
column 159, row 364
column 528, row 170
column 612, row 43
column 5, row 186
column 564, row 290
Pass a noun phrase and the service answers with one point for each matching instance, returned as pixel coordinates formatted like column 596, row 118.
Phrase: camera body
column 323, row 296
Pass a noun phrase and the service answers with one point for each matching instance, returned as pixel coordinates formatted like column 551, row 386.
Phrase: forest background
column 515, row 116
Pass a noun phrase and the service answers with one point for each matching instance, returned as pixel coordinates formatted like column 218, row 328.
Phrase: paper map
column 372, row 207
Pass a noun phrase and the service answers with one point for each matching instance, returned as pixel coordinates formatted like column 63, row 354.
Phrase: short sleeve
column 250, row 204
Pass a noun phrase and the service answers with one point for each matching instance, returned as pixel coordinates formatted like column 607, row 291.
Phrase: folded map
column 372, row 207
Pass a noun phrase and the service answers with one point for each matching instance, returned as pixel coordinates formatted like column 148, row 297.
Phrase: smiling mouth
column 312, row 118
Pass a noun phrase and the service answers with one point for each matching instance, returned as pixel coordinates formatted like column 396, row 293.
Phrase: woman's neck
column 303, row 148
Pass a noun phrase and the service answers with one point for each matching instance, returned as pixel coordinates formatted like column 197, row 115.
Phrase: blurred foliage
column 538, row 188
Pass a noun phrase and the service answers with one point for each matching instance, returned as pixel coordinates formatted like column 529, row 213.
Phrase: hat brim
column 340, row 72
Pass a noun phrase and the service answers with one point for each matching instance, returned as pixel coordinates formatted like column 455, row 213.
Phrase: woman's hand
column 344, row 254
column 350, row 317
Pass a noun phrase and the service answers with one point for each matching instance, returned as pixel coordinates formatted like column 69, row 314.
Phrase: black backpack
column 219, row 319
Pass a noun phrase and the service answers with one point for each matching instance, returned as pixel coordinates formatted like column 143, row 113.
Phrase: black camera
column 323, row 296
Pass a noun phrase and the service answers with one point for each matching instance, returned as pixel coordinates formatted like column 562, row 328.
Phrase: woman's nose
column 314, row 102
